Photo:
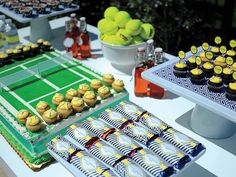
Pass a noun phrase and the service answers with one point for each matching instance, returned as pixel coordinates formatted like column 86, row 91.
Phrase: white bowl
column 122, row 58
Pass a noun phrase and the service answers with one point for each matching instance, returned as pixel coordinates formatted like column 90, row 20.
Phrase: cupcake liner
column 183, row 142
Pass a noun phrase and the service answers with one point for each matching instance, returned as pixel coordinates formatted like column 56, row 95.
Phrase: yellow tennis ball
column 148, row 31
column 110, row 13
column 107, row 27
column 111, row 39
column 137, row 40
column 121, row 18
column 123, row 37
column 133, row 27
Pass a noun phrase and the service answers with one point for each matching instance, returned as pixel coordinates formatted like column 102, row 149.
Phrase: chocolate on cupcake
column 191, row 63
column 197, row 76
column 180, row 69
column 208, row 69
column 231, row 91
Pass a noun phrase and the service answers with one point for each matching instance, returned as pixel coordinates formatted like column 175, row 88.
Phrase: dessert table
column 218, row 160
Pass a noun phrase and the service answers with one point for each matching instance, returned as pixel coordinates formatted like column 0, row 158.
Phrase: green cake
column 24, row 83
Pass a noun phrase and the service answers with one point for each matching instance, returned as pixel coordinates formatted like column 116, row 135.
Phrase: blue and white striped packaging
column 183, row 142
column 129, row 110
column 169, row 153
column 90, row 166
column 62, row 147
column 113, row 117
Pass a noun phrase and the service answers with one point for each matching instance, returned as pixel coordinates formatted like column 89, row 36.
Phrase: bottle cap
column 72, row 15
column 158, row 49
column 150, row 41
column 8, row 20
column 82, row 19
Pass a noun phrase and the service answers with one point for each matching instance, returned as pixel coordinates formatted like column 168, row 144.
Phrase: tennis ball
column 123, row 37
column 148, row 31
column 133, row 27
column 111, row 39
column 110, row 13
column 102, row 36
column 107, row 27
column 121, row 18
column 137, row 40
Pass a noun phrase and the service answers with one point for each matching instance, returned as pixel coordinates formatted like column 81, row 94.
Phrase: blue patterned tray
column 216, row 102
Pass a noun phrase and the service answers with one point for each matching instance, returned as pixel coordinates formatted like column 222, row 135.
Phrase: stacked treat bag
column 77, row 40
column 119, row 29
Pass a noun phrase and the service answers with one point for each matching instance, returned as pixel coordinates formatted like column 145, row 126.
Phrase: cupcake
column 33, row 123
column 180, row 69
column 231, row 53
column 50, row 116
column 22, row 116
column 197, row 76
column 95, row 84
column 215, row 50
column 57, row 99
column 104, row 92
column 40, row 42
column 71, row 93
column 4, row 59
column 203, row 57
column 90, row 98
column 227, row 75
column 26, row 52
column 64, row 109
column 191, row 63
column 35, row 49
column 10, row 52
column 83, row 88
column 220, row 61
column 231, row 91
column 118, row 85
column 108, row 78
column 234, row 66
column 208, row 69
column 16, row 54
column 215, row 84
column 20, row 47
column 42, row 106
column 26, row 11
column 77, row 104
column 46, row 46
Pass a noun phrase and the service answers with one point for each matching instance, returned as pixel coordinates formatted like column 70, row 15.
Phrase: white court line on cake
column 69, row 85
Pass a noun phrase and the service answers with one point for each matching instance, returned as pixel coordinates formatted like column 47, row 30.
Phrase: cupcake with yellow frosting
column 4, row 59
column 90, row 98
column 77, row 104
column 16, row 54
column 83, row 88
column 208, row 69
column 71, row 93
column 40, row 42
column 203, row 57
column 104, row 92
column 215, row 50
column 95, row 84
column 191, row 63
column 227, row 75
column 35, row 49
column 22, row 115
column 10, row 52
column 64, row 109
column 215, row 84
column 42, row 106
column 26, row 52
column 33, row 123
column 234, row 67
column 180, row 69
column 220, row 61
column 108, row 79
column 50, row 116
column 57, row 99
column 46, row 46
column 231, row 53
column 231, row 91
column 118, row 85
column 197, row 76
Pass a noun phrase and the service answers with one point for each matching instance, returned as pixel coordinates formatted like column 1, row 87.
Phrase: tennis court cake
column 42, row 95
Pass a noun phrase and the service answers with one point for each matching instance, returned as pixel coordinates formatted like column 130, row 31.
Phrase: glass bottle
column 2, row 30
column 68, row 40
column 85, row 49
column 140, row 85
column 11, row 34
